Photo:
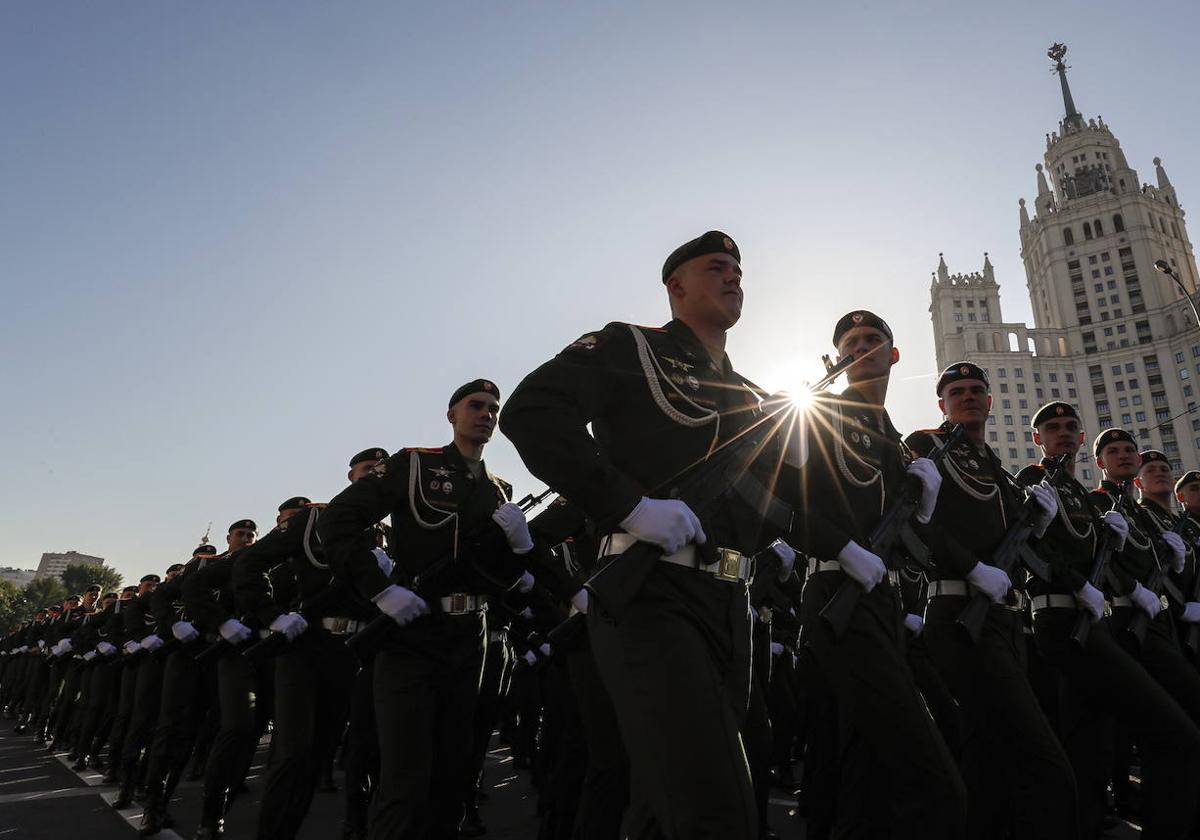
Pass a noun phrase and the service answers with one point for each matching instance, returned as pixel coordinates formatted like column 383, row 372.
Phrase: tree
column 12, row 605
column 44, row 592
column 79, row 576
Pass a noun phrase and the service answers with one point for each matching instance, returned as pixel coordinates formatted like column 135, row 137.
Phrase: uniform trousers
column 1101, row 681
column 103, row 695
column 244, row 702
column 311, row 701
column 1162, row 657
column 147, row 692
column 187, row 692
column 605, row 793
column 361, row 753
column 126, row 695
column 677, row 667
column 891, row 750
column 1019, row 779
column 426, row 684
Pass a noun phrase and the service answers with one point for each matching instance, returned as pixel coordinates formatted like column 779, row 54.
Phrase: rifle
column 1083, row 624
column 1188, row 530
column 420, row 583
column 701, row 486
column 276, row 641
column 890, row 534
column 1013, row 548
column 1157, row 584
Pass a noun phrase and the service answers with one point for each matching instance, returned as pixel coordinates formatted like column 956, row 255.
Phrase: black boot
column 151, row 822
column 168, row 792
column 212, row 816
column 125, row 794
column 472, row 825
column 80, row 764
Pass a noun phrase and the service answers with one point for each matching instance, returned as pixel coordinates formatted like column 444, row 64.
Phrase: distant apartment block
column 54, row 564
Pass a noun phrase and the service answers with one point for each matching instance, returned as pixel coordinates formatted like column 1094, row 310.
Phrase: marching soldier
column 427, row 675
column 676, row 663
column 1006, row 736
column 1100, row 680
column 1155, row 485
column 1187, row 493
column 143, row 676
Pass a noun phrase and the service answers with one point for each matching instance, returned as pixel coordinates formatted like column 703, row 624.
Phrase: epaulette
column 320, row 505
column 1101, row 489
column 427, row 450
column 937, row 431
column 651, row 329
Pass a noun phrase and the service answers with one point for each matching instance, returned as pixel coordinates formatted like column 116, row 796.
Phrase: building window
column 1068, row 237
column 992, row 420
column 1087, row 230
column 1003, row 387
column 1072, row 393
column 1006, row 403
column 1008, row 421
column 1054, row 392
column 1140, row 415
column 1020, row 387
column 1011, row 437
column 992, row 437
column 1070, row 377
column 1012, row 452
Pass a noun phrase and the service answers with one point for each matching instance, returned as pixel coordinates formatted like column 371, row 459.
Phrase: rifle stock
column 1083, row 624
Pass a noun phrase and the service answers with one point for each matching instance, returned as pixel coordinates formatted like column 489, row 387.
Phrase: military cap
column 174, row 567
column 474, row 387
column 95, row 587
column 374, row 453
column 1186, row 479
column 54, row 608
column 205, row 550
column 1109, row 436
column 962, row 370
column 150, row 579
column 295, row 502
column 74, row 598
column 1053, row 410
column 1151, row 455
column 713, row 242
column 243, row 523
column 859, row 318
column 129, row 589
column 108, row 595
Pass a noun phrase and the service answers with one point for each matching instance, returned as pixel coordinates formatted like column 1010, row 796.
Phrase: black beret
column 174, row 567
column 95, row 587
column 1187, row 478
column 205, row 550
column 129, row 589
column 962, row 370
column 487, row 386
column 150, row 579
column 1111, row 436
column 1053, row 410
column 74, row 598
column 713, row 242
column 374, row 453
column 243, row 523
column 55, row 608
column 1149, row 456
column 108, row 595
column 295, row 502
column 859, row 318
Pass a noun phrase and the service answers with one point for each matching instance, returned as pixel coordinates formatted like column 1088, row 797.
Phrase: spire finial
column 942, row 270
column 1024, row 213
column 207, row 531
column 1056, row 53
column 1043, row 186
column 1164, row 182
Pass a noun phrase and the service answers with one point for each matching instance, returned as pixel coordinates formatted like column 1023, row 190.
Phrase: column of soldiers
column 725, row 582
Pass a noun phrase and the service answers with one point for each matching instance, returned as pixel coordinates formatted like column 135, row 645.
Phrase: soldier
column 99, row 682
column 66, row 720
column 1100, row 681
column 1156, row 488
column 1187, row 492
column 134, row 623
column 677, row 662
column 1006, row 736
column 442, row 502
column 311, row 674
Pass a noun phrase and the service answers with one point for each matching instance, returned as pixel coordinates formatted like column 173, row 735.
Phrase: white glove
column 89, row 656
column 666, row 523
column 22, row 648
column 234, row 632
column 544, row 648
column 1046, row 500
column 42, row 644
column 1146, row 600
column 151, row 643
column 526, row 614
column 776, row 648
column 511, row 520
column 1089, row 599
column 524, row 583
column 184, row 631
column 530, row 658
column 1178, row 550
column 384, row 560
column 1191, row 612
column 580, row 601
column 57, row 650
column 862, row 565
column 403, row 605
column 289, row 624
column 132, row 647
column 989, row 580
column 1117, row 524
column 106, row 648
column 64, row 646
column 914, row 623
column 931, row 482
column 787, row 558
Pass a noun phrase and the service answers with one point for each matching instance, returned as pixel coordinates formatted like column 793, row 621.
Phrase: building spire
column 943, row 270
column 1024, row 215
column 1056, row 54
column 1164, row 183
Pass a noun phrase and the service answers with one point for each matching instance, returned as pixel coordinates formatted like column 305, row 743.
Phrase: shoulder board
column 650, row 329
column 937, row 431
column 427, row 450
column 319, row 505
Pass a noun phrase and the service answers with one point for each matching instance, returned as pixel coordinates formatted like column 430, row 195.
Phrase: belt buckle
column 764, row 614
column 339, row 625
column 729, row 564
column 458, row 603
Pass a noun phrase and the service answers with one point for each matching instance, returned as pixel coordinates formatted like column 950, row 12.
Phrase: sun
column 802, row 399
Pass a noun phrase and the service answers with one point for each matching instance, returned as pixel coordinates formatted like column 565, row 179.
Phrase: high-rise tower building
column 1111, row 334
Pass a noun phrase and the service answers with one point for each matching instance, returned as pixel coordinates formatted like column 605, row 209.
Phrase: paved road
column 41, row 798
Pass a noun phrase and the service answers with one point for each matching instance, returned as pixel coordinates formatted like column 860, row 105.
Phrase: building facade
column 1112, row 335
column 53, row 564
column 17, row 577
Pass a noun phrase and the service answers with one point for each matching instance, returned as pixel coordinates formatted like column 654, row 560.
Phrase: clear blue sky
column 241, row 241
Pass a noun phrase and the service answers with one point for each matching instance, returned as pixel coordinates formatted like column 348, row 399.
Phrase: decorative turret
column 1073, row 119
column 943, row 272
column 1164, row 183
column 1024, row 215
column 988, row 274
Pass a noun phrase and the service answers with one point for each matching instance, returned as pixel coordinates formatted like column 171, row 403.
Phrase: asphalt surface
column 41, row 798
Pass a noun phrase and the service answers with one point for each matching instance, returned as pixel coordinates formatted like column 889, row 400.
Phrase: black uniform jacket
column 1070, row 543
